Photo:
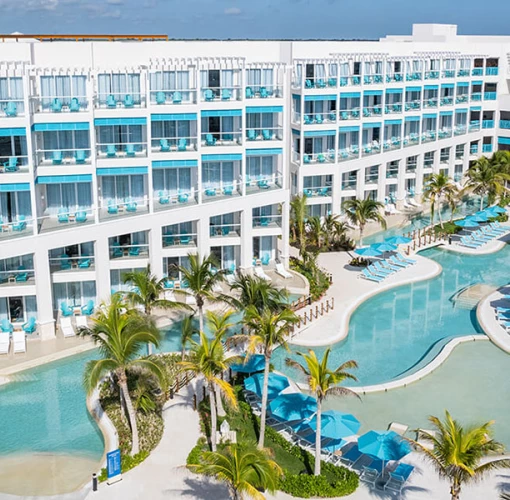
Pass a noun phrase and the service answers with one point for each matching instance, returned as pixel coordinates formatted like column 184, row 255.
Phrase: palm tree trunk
column 201, row 318
column 481, row 202
column 317, row 471
column 135, row 445
column 361, row 228
column 214, row 418
column 455, row 492
column 219, row 403
column 440, row 218
column 263, row 408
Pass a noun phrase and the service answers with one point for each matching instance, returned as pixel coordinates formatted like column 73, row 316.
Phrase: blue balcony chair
column 263, row 184
column 130, row 150
column 160, row 98
column 65, row 309
column 265, row 259
column 63, row 215
column 74, row 105
column 112, row 207
column 355, row 113
column 323, row 191
column 131, row 206
column 84, row 263
column 169, row 284
column 11, row 109
column 263, row 92
column 377, row 110
column 80, row 156
column 343, row 81
column 251, row 134
column 116, row 250
column 308, row 120
column 210, row 140
column 319, row 120
column 225, row 231
column 308, row 84
column 56, row 105
column 134, row 251
column 228, row 190
column 264, row 221
column 182, row 197
column 185, row 240
column 111, row 101
column 29, row 326
column 356, row 80
column 21, row 225
column 111, row 150
column 177, row 97
column 128, row 101
column 88, row 308
column 21, row 277
column 163, row 145
column 208, row 95
column 210, row 192
column 164, row 199
column 344, row 115
column 249, row 93
column 308, row 193
column 182, row 144
column 321, row 84
column 367, row 80
column 6, row 326
column 332, row 116
column 306, row 158
column 321, row 158
column 226, row 94
column 65, row 263
column 81, row 216
column 332, row 82
column 56, row 157
column 12, row 164
column 266, row 135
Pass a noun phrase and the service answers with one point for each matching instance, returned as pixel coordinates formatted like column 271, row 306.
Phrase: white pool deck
column 486, row 315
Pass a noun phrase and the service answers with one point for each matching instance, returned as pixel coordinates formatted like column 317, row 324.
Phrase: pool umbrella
column 469, row 222
column 480, row 217
column 254, row 364
column 295, row 406
column 368, row 252
column 276, row 384
column 385, row 445
column 384, row 247
column 334, row 424
column 398, row 240
column 496, row 209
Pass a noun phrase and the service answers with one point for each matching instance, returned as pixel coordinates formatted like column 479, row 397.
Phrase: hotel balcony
column 59, row 104
column 129, row 246
column 221, row 128
column 72, row 259
column 13, row 151
column 12, row 102
column 16, row 218
column 173, row 132
column 161, row 97
column 225, row 226
column 180, row 236
column 17, row 271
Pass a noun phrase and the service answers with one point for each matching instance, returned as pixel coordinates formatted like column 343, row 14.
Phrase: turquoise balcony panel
column 487, row 148
column 490, row 96
column 477, row 72
column 492, row 71
column 487, row 123
column 504, row 124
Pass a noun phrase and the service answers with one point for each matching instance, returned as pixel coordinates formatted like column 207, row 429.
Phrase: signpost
column 113, row 467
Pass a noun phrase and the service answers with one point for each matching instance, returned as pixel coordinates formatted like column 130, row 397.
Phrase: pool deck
column 486, row 315
column 350, row 290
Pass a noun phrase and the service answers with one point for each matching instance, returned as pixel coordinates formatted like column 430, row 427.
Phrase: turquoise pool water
column 391, row 333
column 46, row 412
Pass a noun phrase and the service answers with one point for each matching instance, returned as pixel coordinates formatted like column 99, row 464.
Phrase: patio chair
column 65, row 263
column 210, row 140
column 81, row 216
column 182, row 144
column 130, row 149
column 84, row 263
column 318, row 119
column 134, row 251
column 164, row 199
column 160, row 97
column 208, row 95
column 63, row 215
column 128, row 101
column 112, row 207
column 74, row 105
column 265, row 260
column 249, row 93
column 56, row 157
column 111, row 101
column 182, row 197
column 80, row 156
column 398, row 478
column 56, row 105
column 263, row 92
column 21, row 225
column 210, row 192
column 306, row 158
column 266, row 135
column 88, row 308
column 117, row 250
column 30, row 326
column 185, row 240
column 111, row 150
column 263, row 184
column 177, row 97
column 163, row 145
column 67, row 327
column 11, row 109
column 12, row 164
column 226, row 95
column 65, row 309
column 131, row 206
column 6, row 326
column 5, row 342
column 19, row 342
column 228, row 190
column 251, row 135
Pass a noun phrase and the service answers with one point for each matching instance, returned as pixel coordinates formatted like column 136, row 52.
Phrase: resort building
column 117, row 153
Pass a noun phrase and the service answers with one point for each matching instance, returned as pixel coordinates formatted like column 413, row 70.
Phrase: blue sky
column 251, row 18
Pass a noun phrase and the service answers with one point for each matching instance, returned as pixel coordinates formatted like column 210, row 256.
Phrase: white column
column 381, row 184
column 401, row 187
column 44, row 295
column 418, row 190
column 336, row 194
column 247, row 238
column 155, row 251
column 203, row 232
column 285, row 244
column 102, row 260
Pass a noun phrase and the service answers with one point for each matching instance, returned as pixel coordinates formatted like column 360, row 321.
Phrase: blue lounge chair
column 29, row 326
column 398, row 263
column 306, row 158
column 249, row 93
column 163, row 145
column 321, row 84
column 177, row 97
column 56, row 157
column 111, row 150
column 263, row 92
column 264, row 221
column 6, row 326
column 399, row 256
column 11, row 109
column 228, row 190
column 265, row 260
column 210, row 140
column 210, row 192
column 371, row 473
column 112, row 207
column 321, row 158
column 381, row 274
column 169, row 284
column 56, row 105
column 131, row 206
column 22, row 277
column 251, row 134
column 308, row 120
column 398, row 478
column 80, row 156
column 21, row 225
column 226, row 95
column 379, row 269
column 263, row 184
column 182, row 144
column 134, row 251
column 128, row 101
column 63, row 215
column 208, row 95
column 84, row 263
column 160, row 97
column 388, row 265
column 164, row 199
column 266, row 135
column 332, row 82
column 351, row 456
column 111, row 101
column 88, row 308
column 183, row 197
column 369, row 276
column 319, row 120
column 65, row 263
column 308, row 84
column 130, row 149
column 65, row 309
column 116, row 250
column 74, row 105
column 12, row 164
column 185, row 240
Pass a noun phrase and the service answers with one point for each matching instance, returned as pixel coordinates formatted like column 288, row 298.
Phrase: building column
column 336, row 195
column 285, row 243
column 381, row 183
column 44, row 295
column 418, row 188
column 203, row 236
column 247, row 239
column 102, row 264
column 401, row 185
column 155, row 252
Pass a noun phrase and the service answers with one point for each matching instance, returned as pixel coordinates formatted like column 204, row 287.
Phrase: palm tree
column 332, row 229
column 360, row 212
column 314, row 231
column 323, row 382
column 245, row 469
column 201, row 277
column 483, row 178
column 208, row 359
column 439, row 186
column 187, row 332
column 120, row 333
column 299, row 215
column 459, row 454
column 268, row 330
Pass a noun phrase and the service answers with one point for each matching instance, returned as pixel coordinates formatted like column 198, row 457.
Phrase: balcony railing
column 428, row 136
column 413, row 76
column 264, row 91
column 73, row 263
column 175, row 96
column 476, row 96
column 320, row 83
column 393, row 108
column 168, row 144
column 59, row 104
column 211, row 94
column 463, row 72
column 117, row 100
column 63, row 157
column 264, row 134
column 461, row 98
column 412, row 139
column 124, row 150
column 446, row 101
column 134, row 250
column 309, row 158
column 267, row 221
column 432, row 75
column 118, row 207
column 372, row 178
column 487, row 123
column 487, row 148
column 212, row 191
column 349, row 114
column 222, row 139
column 319, row 118
column 167, row 200
column 66, row 217
column 12, row 107
column 449, row 73
column 373, row 78
column 473, row 149
column 413, row 105
column 474, row 125
column 430, row 102
column 263, row 182
column 460, row 129
column 349, row 184
column 477, row 72
column 428, row 162
column 444, row 132
column 20, row 226
column 180, row 240
column 490, row 96
column 317, row 191
column 444, row 158
column 371, row 148
column 492, row 71
column 411, row 168
column 369, row 111
column 392, row 143
column 349, row 153
column 392, row 173
column 225, row 230
column 502, row 124
column 17, row 277
column 395, row 77
column 13, row 164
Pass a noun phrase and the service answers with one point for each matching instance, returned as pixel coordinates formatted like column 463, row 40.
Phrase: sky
column 251, row 18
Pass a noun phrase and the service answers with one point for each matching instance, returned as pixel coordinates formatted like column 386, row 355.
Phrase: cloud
column 232, row 11
column 100, row 11
column 29, row 5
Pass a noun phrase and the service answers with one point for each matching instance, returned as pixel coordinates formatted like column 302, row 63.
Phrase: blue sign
column 113, row 464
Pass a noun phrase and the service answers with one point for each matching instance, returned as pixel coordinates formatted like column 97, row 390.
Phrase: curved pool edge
column 489, row 323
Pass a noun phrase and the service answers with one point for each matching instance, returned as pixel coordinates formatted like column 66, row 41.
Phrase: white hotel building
column 118, row 153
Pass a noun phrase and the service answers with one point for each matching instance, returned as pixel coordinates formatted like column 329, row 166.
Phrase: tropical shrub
column 317, row 278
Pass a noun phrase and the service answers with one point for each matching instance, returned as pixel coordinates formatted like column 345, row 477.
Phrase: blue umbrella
column 368, row 252
column 398, row 240
column 469, row 222
column 480, row 217
column 496, row 209
column 385, row 445
column 384, row 247
column 276, row 384
column 295, row 406
column 334, row 424
column 254, row 364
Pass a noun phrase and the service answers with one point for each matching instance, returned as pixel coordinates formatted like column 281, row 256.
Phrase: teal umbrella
column 254, row 364
column 276, row 384
column 497, row 209
column 334, row 424
column 295, row 406
column 480, row 217
column 385, row 445
column 469, row 222
column 368, row 252
column 398, row 240
column 384, row 247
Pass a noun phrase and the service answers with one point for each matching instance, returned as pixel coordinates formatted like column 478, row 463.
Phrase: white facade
column 118, row 154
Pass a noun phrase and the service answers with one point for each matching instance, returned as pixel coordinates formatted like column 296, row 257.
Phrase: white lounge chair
column 67, row 327
column 400, row 429
column 81, row 322
column 19, row 342
column 282, row 271
column 259, row 272
column 5, row 342
column 413, row 202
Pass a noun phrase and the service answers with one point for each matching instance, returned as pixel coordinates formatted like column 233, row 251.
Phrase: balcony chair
column 251, row 134
column 332, row 116
column 182, row 197
column 332, row 82
column 160, row 97
column 177, row 97
column 319, row 120
column 321, row 84
column 321, row 158
column 84, row 263
column 185, row 240
column 11, row 109
column 81, row 216
column 182, row 144
column 308, row 84
column 344, row 115
column 210, row 192
column 208, row 95
column 65, row 263
column 323, row 191
column 130, row 150
column 29, row 326
column 210, row 140
column 56, row 157
column 6, row 326
column 88, row 308
column 356, row 80
column 163, row 145
column 226, row 95
column 308, row 193
column 265, row 260
column 128, row 101
column 56, row 105
column 308, row 120
column 113, row 208
column 12, row 164
column 306, row 158
column 225, row 231
column 65, row 310
column 80, row 156
column 164, row 199
column 228, row 190
column 131, row 206
column 266, row 135
column 343, row 81
column 62, row 215
column 263, row 92
column 264, row 221
column 111, row 101
column 116, row 250
column 74, row 105
column 249, row 93
column 21, row 277
column 367, row 80
column 377, row 110
column 355, row 113
column 111, row 150
column 21, row 225
column 134, row 251
column 263, row 184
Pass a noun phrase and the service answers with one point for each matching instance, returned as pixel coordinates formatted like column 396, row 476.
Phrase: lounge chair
column 56, row 105
column 176, row 97
column 210, row 140
column 398, row 263
column 112, row 207
column 19, row 342
column 370, row 473
column 62, row 215
column 230, row 278
column 128, row 101
column 21, row 225
column 81, row 322
column 400, row 257
column 208, row 95
column 30, row 326
column 12, row 164
column 80, row 156
column 67, row 327
column 182, row 144
column 130, row 150
column 65, row 310
column 163, row 145
column 388, row 265
column 74, row 105
column 56, row 157
column 371, row 277
column 259, row 272
column 84, row 264
column 111, row 150
column 282, row 271
column 351, row 456
column 169, row 295
column 88, row 308
column 6, row 326
column 111, row 101
column 398, row 478
column 378, row 270
column 400, row 429
column 5, row 342
column 81, row 216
